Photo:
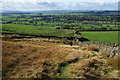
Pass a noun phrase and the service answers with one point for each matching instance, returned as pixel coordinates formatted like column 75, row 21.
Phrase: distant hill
column 61, row 11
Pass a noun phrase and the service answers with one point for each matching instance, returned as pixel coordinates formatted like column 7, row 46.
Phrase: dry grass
column 66, row 41
column 105, row 55
column 114, row 63
column 22, row 56
column 93, row 49
column 35, row 58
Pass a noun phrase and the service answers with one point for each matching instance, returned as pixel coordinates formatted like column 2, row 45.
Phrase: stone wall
column 112, row 49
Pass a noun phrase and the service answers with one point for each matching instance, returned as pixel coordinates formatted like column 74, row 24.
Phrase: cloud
column 47, row 5
column 59, row 1
column 26, row 1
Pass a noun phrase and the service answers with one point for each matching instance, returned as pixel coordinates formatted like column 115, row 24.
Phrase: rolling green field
column 65, row 24
column 104, row 36
column 107, row 37
column 35, row 30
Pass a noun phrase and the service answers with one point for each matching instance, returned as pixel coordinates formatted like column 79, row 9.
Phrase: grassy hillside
column 108, row 37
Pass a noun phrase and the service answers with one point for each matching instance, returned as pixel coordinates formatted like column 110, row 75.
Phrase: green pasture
column 35, row 30
column 102, row 36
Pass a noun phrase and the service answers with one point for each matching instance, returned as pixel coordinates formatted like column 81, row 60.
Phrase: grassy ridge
column 108, row 37
column 36, row 30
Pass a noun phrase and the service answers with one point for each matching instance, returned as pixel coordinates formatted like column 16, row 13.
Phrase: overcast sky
column 60, row 0
column 36, row 5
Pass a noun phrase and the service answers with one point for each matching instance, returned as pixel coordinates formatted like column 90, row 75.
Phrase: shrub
column 66, row 41
column 57, row 27
column 11, row 65
column 63, row 64
column 65, row 27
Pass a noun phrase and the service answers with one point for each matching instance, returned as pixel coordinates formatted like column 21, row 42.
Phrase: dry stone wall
column 112, row 49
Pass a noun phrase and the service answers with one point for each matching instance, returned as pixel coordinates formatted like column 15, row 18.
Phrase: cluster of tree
column 63, row 27
column 63, row 18
column 39, row 19
column 77, row 18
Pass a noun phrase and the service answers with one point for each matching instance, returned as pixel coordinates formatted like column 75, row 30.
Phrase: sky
column 60, row 0
column 37, row 5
